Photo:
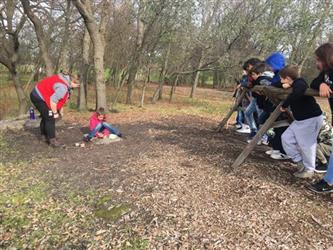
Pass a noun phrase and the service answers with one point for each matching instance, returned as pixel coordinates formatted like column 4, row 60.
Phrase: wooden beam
column 232, row 110
column 279, row 92
column 268, row 124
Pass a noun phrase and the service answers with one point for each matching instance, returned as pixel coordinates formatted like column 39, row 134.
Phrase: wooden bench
column 277, row 96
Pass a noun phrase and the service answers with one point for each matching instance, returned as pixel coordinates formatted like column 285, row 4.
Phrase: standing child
column 300, row 139
column 99, row 127
column 252, row 108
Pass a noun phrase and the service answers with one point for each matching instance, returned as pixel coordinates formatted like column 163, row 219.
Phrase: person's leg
column 276, row 142
column 323, row 152
column 111, row 129
column 98, row 128
column 306, row 136
column 330, row 101
column 47, row 125
column 329, row 175
column 249, row 115
column 320, row 156
column 289, row 143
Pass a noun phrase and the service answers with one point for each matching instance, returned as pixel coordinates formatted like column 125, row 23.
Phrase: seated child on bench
column 99, row 127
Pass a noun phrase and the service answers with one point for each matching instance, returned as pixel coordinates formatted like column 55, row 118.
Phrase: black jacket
column 303, row 107
column 323, row 77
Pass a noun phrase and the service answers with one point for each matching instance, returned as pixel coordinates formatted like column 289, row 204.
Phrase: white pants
column 300, row 141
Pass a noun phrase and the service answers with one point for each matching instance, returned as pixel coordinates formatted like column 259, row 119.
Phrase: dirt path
column 174, row 174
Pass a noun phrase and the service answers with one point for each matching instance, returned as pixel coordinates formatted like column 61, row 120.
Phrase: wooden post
column 268, row 124
column 232, row 110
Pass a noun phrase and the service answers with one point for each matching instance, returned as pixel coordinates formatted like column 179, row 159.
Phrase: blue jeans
column 329, row 175
column 100, row 128
column 249, row 114
column 240, row 117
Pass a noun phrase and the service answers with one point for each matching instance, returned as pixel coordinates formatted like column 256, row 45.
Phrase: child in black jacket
column 300, row 139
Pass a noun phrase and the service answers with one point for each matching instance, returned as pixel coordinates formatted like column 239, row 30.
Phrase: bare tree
column 82, row 98
column 41, row 36
column 97, row 35
column 9, row 41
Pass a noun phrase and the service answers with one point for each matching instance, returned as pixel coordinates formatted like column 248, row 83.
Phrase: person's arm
column 319, row 84
column 299, row 88
column 315, row 84
column 59, row 93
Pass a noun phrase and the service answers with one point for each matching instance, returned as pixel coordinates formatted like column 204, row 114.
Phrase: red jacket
column 45, row 88
column 94, row 122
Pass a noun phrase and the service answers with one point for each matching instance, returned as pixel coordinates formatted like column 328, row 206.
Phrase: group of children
column 307, row 141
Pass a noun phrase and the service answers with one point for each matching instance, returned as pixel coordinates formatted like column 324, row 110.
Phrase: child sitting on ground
column 99, row 127
column 300, row 139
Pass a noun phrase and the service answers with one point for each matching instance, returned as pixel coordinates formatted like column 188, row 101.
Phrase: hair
column 100, row 111
column 259, row 68
column 291, row 71
column 251, row 61
column 325, row 54
column 73, row 76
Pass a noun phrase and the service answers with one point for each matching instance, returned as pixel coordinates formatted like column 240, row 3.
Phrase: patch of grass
column 113, row 213
column 136, row 244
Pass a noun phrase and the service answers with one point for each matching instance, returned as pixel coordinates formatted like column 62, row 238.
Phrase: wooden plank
column 280, row 124
column 281, row 93
column 248, row 149
column 232, row 110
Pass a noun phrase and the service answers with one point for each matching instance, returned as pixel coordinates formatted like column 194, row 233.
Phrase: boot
column 55, row 144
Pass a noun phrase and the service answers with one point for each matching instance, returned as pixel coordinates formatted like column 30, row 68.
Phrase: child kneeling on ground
column 99, row 127
column 300, row 139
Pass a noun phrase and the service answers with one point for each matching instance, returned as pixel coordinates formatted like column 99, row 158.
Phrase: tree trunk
column 63, row 58
column 120, row 86
column 99, row 74
column 82, row 102
column 97, row 37
column 41, row 37
column 196, row 76
column 144, row 88
column 159, row 91
column 23, row 103
column 173, row 88
column 131, row 81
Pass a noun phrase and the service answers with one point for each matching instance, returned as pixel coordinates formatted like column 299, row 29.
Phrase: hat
column 276, row 61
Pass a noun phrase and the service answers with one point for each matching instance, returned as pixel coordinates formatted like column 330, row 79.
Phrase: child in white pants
column 300, row 139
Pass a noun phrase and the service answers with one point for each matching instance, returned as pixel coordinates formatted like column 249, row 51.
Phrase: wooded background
column 119, row 43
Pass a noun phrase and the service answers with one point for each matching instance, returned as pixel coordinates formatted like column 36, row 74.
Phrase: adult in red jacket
column 49, row 96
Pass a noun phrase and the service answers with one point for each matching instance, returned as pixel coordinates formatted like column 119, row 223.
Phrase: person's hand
column 61, row 112
column 55, row 115
column 325, row 90
column 75, row 85
column 100, row 135
column 283, row 109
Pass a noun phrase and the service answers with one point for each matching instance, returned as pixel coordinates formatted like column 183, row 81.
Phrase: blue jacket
column 277, row 62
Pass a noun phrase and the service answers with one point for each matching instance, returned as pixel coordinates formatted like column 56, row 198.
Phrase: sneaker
column 238, row 126
column 86, row 139
column 264, row 139
column 279, row 156
column 300, row 167
column 272, row 151
column 55, row 144
column 304, row 174
column 321, row 168
column 244, row 130
column 321, row 187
